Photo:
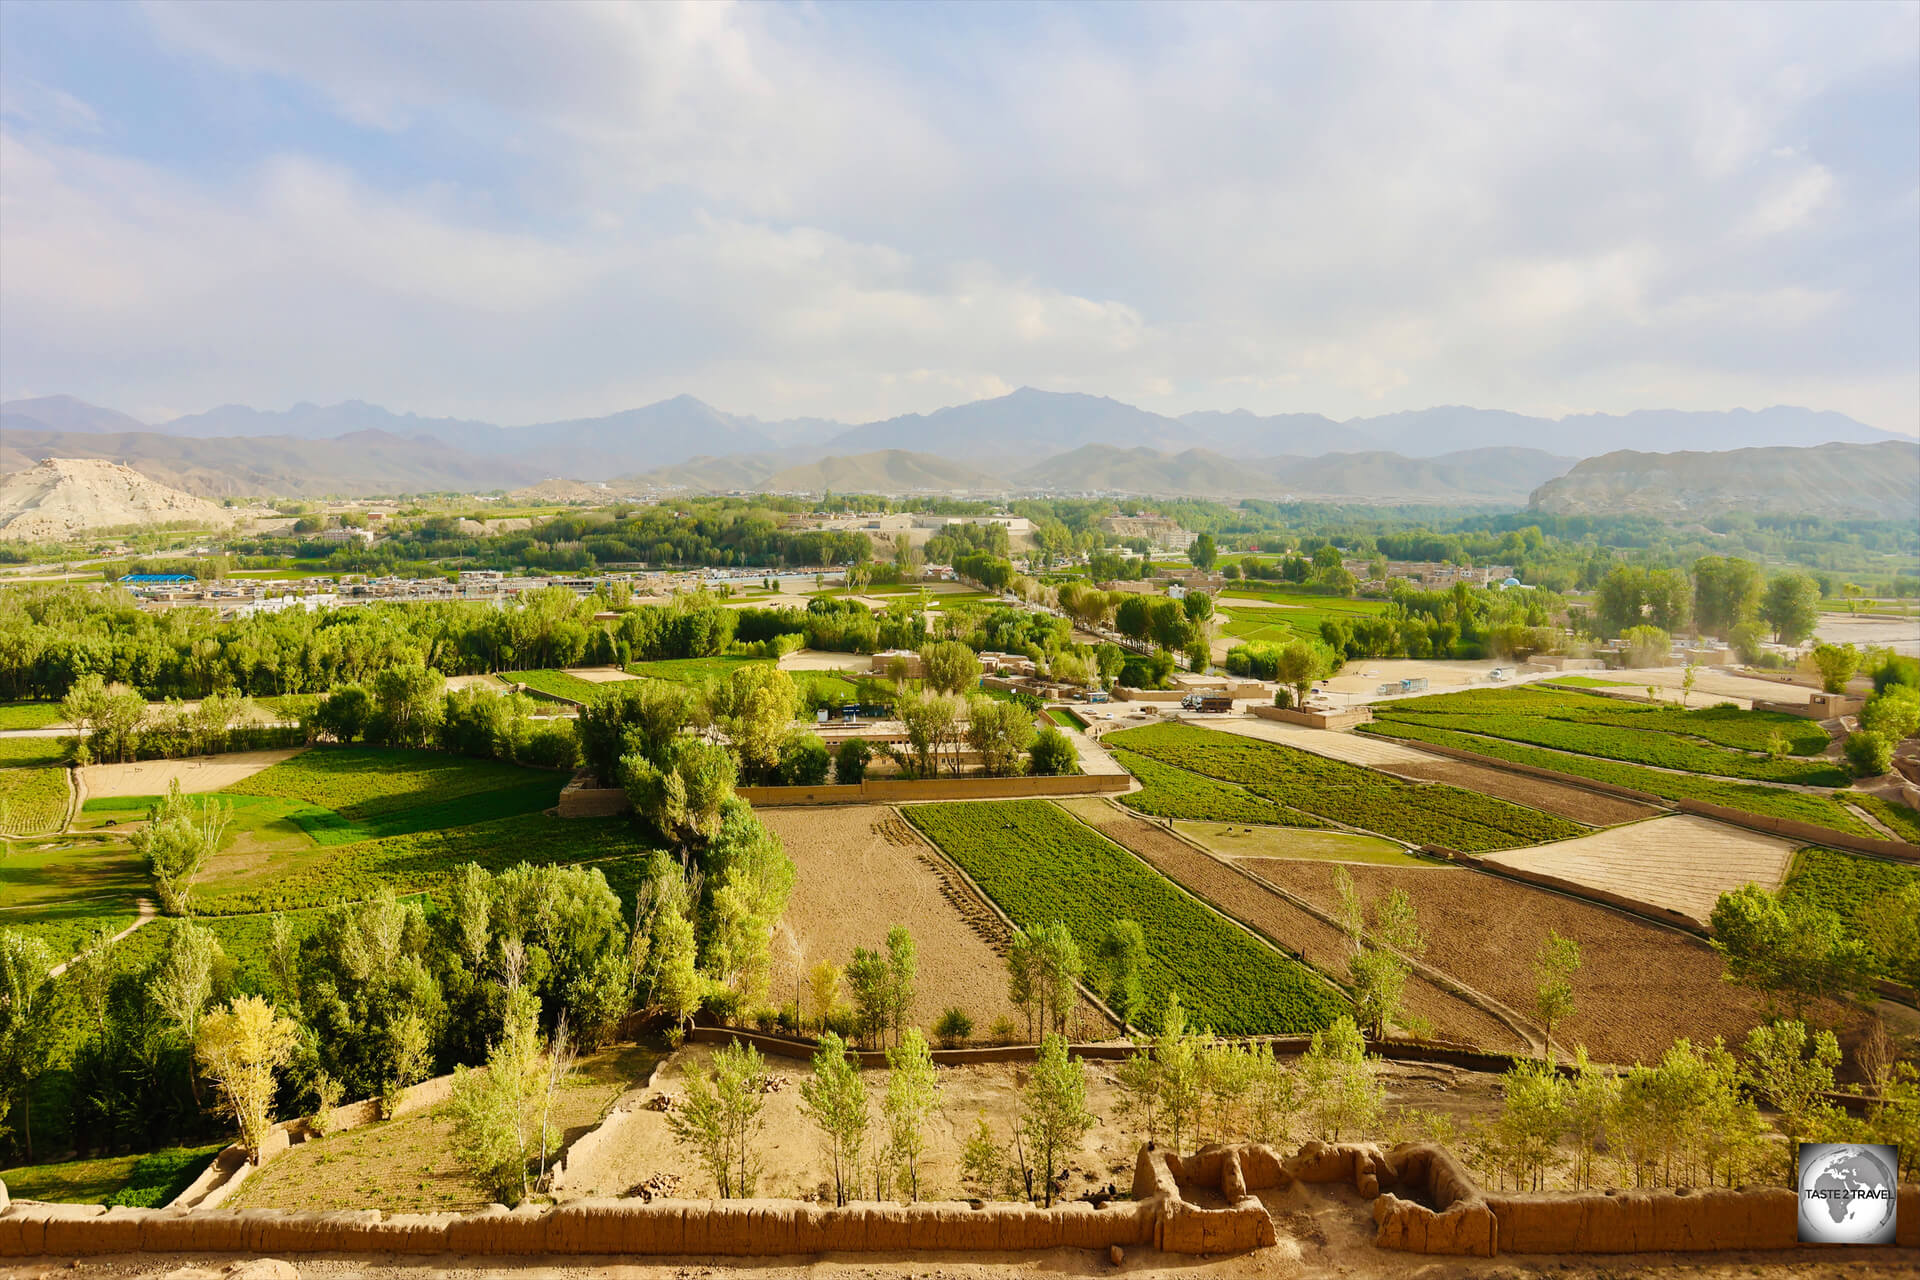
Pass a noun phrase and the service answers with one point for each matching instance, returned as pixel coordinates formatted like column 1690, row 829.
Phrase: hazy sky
column 524, row 212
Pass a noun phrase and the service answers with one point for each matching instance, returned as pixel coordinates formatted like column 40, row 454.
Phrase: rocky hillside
column 1868, row 481
column 62, row 497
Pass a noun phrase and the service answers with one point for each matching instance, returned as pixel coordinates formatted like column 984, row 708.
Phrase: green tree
column 1793, row 1072
column 180, row 837
column 999, row 732
column 1043, row 967
column 1204, row 552
column 1726, row 593
column 1342, row 1086
column 756, row 706
column 182, row 984
column 242, row 1048
column 1788, row 948
column 1791, row 606
column 913, row 1092
column 1385, row 938
column 1554, row 965
column 1647, row 646
column 26, row 1023
column 676, row 985
column 1893, row 713
column 1053, row 1114
column 1301, row 662
column 495, row 1110
column 1837, row 663
column 1122, row 958
column 949, row 666
column 1869, row 754
column 1052, row 754
column 834, row 1098
column 719, row 1117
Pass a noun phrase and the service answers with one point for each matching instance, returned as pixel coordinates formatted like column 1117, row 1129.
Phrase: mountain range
column 1028, row 440
column 1860, row 481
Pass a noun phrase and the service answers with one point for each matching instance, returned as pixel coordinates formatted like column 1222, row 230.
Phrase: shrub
column 1283, row 698
column 723, row 1003
column 804, row 761
column 1869, row 754
column 842, row 1022
column 850, row 761
column 1003, row 1030
column 954, row 1029
column 1052, row 754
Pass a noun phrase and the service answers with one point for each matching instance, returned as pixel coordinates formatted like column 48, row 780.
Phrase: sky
column 526, row 212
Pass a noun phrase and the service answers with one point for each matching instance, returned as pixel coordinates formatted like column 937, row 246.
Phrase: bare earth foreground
column 195, row 775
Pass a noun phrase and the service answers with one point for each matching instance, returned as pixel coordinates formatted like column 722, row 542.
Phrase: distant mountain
column 1480, row 475
column 1025, row 424
column 1869, row 481
column 707, row 474
column 885, row 471
column 1248, row 435
column 63, row 413
column 1448, row 429
column 356, row 465
column 324, row 422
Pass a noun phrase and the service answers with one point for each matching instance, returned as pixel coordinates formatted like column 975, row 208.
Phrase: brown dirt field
column 862, row 870
column 196, row 774
column 1680, row 862
column 407, row 1165
column 1638, row 988
column 635, row 1142
column 1551, row 797
column 1322, row 945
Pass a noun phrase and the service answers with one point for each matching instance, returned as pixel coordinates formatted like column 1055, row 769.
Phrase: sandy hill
column 1865, row 481
column 554, row 489
column 62, row 497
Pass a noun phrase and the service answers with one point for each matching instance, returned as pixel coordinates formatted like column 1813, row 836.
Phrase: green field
column 18, row 753
column 1901, row 820
column 558, row 684
column 340, row 795
column 1042, row 866
column 1723, row 726
column 1414, row 813
column 1277, row 617
column 1282, row 842
column 32, row 799
column 1773, row 802
column 693, row 671
column 29, row 715
column 1590, row 682
column 140, row 1181
column 69, row 871
column 1845, row 883
column 1168, row 792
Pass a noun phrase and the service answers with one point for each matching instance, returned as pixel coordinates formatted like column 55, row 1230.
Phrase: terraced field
column 1039, row 865
column 1348, row 794
column 32, row 799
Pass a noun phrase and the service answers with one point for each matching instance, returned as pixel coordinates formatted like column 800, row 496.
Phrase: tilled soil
column 1321, row 944
column 862, row 870
column 1639, row 986
column 1563, row 801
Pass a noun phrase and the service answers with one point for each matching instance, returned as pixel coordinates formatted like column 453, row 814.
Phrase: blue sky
column 517, row 212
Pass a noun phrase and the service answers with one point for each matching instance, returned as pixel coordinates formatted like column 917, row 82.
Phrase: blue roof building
column 156, row 579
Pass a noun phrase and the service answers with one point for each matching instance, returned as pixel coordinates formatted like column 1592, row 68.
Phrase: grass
column 1072, row 717
column 1772, row 802
column 558, row 684
column 29, row 715
column 1414, row 813
column 36, row 875
column 142, row 1181
column 1278, row 617
column 1903, row 821
column 1042, row 866
column 1845, row 883
column 17, row 753
column 32, row 799
column 1281, row 842
column 344, row 795
column 693, row 671
column 67, row 927
column 1590, row 682
column 1175, row 793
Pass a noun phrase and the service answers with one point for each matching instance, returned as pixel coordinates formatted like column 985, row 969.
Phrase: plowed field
column 1639, row 985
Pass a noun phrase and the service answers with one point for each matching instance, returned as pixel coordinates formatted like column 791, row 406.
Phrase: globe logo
column 1848, row 1193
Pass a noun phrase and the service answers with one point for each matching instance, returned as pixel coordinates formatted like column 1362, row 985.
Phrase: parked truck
column 1207, row 702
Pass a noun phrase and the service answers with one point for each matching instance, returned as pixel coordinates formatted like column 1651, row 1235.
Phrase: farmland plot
column 1344, row 793
column 1638, row 986
column 1679, row 862
column 1042, row 866
column 32, row 800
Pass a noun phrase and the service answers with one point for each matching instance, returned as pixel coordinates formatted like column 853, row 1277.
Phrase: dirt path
column 1680, row 862
column 1353, row 748
column 1292, row 925
column 148, row 914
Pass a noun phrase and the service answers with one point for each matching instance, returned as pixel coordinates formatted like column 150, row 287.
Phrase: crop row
column 1723, row 725
column 1772, row 802
column 24, row 752
column 1850, row 886
column 1042, row 866
column 1415, row 813
column 1637, row 746
column 1898, row 818
column 29, row 715
column 1176, row 793
column 32, row 800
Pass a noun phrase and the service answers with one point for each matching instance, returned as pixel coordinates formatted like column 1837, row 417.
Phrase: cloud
column 540, row 210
